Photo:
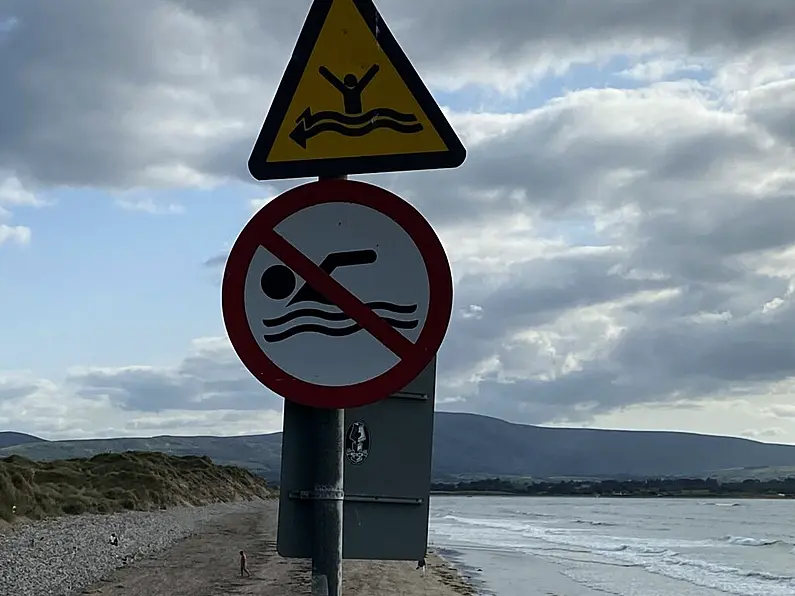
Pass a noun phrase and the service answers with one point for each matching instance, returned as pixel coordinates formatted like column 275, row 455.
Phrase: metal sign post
column 337, row 294
column 328, row 501
column 329, row 495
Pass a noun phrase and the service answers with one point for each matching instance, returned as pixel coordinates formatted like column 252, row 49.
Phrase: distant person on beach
column 243, row 565
column 421, row 565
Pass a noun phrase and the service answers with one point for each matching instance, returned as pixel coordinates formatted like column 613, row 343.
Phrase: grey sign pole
column 329, row 457
column 329, row 496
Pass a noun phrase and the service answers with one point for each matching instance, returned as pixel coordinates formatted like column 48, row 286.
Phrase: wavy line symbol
column 279, row 283
column 310, row 125
column 336, row 317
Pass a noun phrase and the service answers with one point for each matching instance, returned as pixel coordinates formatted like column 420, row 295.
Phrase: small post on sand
column 329, row 431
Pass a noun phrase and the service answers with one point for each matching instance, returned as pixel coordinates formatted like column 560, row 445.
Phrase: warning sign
column 337, row 294
column 350, row 102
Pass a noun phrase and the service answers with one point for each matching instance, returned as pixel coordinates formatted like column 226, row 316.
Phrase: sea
column 589, row 546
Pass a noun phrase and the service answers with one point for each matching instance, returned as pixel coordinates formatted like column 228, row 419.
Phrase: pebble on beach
column 65, row 555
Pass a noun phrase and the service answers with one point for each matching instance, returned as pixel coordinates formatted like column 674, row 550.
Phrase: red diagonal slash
column 396, row 342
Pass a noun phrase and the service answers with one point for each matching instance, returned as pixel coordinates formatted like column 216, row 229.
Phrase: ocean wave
column 666, row 558
column 634, row 548
column 748, row 541
column 694, row 561
column 493, row 523
column 723, row 577
column 520, row 513
column 497, row 532
column 590, row 522
column 714, row 504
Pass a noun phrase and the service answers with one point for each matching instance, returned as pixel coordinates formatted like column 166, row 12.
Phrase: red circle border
column 399, row 376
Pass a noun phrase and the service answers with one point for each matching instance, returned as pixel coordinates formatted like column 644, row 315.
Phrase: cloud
column 764, row 433
column 208, row 378
column 781, row 411
column 257, row 204
column 205, row 393
column 662, row 69
column 14, row 195
column 216, row 261
column 53, row 413
column 149, row 206
column 682, row 286
column 173, row 92
column 14, row 234
column 627, row 242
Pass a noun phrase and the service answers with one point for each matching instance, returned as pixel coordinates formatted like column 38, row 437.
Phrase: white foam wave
column 661, row 557
column 590, row 522
column 748, row 541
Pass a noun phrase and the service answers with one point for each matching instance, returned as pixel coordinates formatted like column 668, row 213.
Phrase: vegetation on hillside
column 111, row 482
column 258, row 453
column 659, row 487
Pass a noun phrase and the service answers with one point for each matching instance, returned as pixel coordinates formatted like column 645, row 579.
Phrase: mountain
column 8, row 438
column 470, row 445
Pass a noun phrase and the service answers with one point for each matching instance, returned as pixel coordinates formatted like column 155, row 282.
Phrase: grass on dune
column 112, row 482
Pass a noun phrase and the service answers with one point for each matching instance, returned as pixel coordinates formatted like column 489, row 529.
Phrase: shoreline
column 188, row 551
column 469, row 576
column 450, row 573
column 484, row 493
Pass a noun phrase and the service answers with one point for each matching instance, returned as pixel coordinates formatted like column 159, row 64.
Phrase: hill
column 476, row 445
column 470, row 445
column 7, row 439
column 119, row 481
column 258, row 453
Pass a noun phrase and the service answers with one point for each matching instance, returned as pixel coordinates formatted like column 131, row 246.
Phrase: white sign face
column 367, row 253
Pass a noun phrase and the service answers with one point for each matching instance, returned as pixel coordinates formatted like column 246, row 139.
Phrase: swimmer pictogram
column 278, row 282
column 353, row 122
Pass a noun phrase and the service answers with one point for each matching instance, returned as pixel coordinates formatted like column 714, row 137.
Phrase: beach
column 492, row 546
column 207, row 563
column 495, row 546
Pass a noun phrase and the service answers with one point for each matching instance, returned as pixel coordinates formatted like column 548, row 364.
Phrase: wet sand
column 207, row 565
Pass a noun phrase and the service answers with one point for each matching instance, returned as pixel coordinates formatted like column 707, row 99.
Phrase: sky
column 621, row 234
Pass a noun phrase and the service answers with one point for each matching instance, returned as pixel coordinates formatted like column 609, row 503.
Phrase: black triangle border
column 260, row 169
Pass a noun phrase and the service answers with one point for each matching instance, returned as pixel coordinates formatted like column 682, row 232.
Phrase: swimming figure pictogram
column 279, row 282
column 353, row 121
column 350, row 87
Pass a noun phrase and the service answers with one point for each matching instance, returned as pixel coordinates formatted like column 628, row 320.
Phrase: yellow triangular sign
column 350, row 102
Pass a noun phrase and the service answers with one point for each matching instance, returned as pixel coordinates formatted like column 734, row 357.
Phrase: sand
column 207, row 565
